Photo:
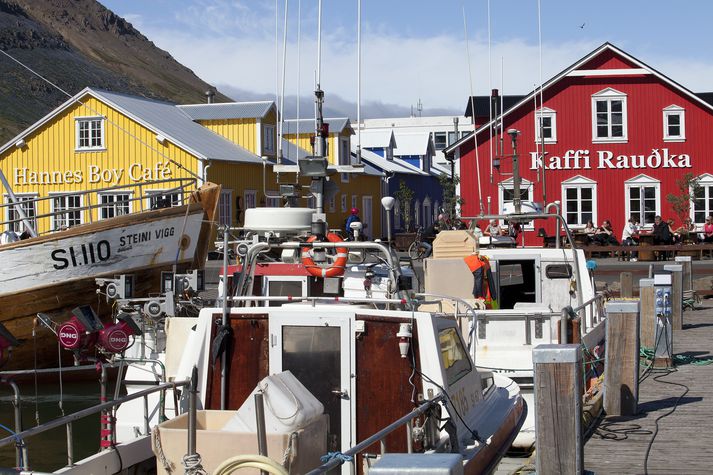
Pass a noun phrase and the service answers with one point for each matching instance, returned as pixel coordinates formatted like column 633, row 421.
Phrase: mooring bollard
column 626, row 281
column 687, row 263
column 676, row 271
column 621, row 366
column 647, row 319
column 558, row 409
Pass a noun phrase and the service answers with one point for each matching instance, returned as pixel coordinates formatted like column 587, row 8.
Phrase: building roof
column 643, row 68
column 162, row 118
column 390, row 166
column 377, row 138
column 482, row 104
column 228, row 110
column 413, row 144
column 306, row 126
column 706, row 96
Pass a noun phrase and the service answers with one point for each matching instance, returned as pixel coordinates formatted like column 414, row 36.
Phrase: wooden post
column 647, row 321
column 621, row 366
column 558, row 409
column 627, row 285
column 687, row 263
column 676, row 271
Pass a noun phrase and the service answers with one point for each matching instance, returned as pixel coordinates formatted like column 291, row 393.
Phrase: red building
column 616, row 136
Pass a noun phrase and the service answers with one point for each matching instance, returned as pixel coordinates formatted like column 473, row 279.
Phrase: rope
column 289, row 456
column 336, row 455
column 193, row 465
column 249, row 461
column 650, row 354
column 298, row 406
column 156, row 441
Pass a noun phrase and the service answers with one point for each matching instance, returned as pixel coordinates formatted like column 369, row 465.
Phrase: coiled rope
column 250, row 461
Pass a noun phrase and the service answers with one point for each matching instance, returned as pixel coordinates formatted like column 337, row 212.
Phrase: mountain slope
column 74, row 44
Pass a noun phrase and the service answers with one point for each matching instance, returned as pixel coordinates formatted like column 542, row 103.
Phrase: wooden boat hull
column 54, row 273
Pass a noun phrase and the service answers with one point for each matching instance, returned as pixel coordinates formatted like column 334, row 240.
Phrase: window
column 268, row 138
column 250, row 199
column 355, row 200
column 439, row 140
column 417, row 213
column 112, row 205
column 397, row 215
column 558, row 271
column 344, row 204
column 642, row 198
column 345, row 156
column 578, row 201
column 452, row 138
column 703, row 199
column 506, row 194
column 28, row 206
column 546, row 125
column 674, row 124
column 609, row 116
column 454, row 358
column 90, row 133
column 427, row 212
column 332, row 204
column 225, row 208
column 66, row 211
column 164, row 199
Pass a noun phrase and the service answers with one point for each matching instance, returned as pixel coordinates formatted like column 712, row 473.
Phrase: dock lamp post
column 388, row 203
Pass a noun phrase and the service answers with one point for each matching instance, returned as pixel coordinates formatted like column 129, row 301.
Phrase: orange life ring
column 336, row 269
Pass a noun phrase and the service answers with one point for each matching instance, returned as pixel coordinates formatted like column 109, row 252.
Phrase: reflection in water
column 48, row 451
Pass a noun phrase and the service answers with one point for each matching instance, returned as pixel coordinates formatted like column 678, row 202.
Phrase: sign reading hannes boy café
column 604, row 159
column 93, row 174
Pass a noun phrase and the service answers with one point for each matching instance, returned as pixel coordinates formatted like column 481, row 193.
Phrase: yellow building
column 101, row 139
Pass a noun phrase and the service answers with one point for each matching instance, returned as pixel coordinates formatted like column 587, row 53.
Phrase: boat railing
column 47, row 214
column 406, row 421
column 105, row 408
column 589, row 313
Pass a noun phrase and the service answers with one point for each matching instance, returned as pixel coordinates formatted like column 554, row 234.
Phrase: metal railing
column 379, row 436
column 179, row 188
column 19, row 437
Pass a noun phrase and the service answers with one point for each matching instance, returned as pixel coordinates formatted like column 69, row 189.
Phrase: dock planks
column 685, row 437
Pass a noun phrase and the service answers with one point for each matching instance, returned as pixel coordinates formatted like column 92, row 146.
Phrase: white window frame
column 225, row 207
column 546, row 112
column 427, row 216
column 19, row 226
column 101, row 206
column 89, row 148
column 669, row 112
column 177, row 193
column 344, row 159
column 397, row 214
column 442, row 133
column 610, row 95
column 641, row 181
column 508, row 185
column 579, row 182
column 249, row 198
column 705, row 181
column 343, row 203
column 269, row 138
column 417, row 213
column 65, row 211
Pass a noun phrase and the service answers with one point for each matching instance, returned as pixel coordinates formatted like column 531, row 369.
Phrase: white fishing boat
column 54, row 272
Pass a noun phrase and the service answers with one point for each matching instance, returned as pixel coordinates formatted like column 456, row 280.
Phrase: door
column 366, row 216
column 317, row 349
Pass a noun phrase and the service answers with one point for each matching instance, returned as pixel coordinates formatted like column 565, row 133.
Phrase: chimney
column 209, row 95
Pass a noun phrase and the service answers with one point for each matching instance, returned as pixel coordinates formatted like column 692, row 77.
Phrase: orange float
column 336, row 269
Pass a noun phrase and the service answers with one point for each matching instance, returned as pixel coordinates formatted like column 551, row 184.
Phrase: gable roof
column 413, row 144
column 391, row 166
column 643, row 69
column 162, row 118
column 481, row 104
column 377, row 138
column 306, row 126
column 228, row 110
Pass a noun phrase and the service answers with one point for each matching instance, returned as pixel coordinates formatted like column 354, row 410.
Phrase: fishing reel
column 80, row 332
column 115, row 338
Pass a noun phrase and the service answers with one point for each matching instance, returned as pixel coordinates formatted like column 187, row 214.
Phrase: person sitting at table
column 604, row 235
column 493, row 229
column 630, row 235
column 662, row 234
column 685, row 232
column 708, row 230
column 590, row 229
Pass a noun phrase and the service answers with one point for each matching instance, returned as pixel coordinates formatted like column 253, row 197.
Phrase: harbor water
column 48, row 451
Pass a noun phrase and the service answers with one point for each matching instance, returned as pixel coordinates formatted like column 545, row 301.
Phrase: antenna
column 278, row 148
column 419, row 107
column 358, row 151
column 299, row 59
column 472, row 108
column 490, row 87
column 542, row 105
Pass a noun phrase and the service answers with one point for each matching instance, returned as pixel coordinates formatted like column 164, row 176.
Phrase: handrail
column 378, row 436
column 89, row 411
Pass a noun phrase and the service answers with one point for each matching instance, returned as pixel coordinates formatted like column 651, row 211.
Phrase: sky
column 415, row 50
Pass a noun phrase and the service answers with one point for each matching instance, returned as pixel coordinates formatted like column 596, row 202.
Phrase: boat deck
column 684, row 438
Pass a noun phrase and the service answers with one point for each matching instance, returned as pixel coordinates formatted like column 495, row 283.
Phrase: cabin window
column 162, row 199
column 28, row 205
column 90, row 133
column 453, row 355
column 112, row 205
column 558, row 271
column 292, row 286
column 674, row 124
column 703, row 200
column 546, row 125
column 609, row 123
column 225, row 207
column 268, row 138
column 66, row 211
column 439, row 140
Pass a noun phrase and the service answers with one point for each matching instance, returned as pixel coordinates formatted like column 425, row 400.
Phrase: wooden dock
column 685, row 437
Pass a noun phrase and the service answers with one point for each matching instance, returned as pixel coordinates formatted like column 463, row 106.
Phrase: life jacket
column 483, row 283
